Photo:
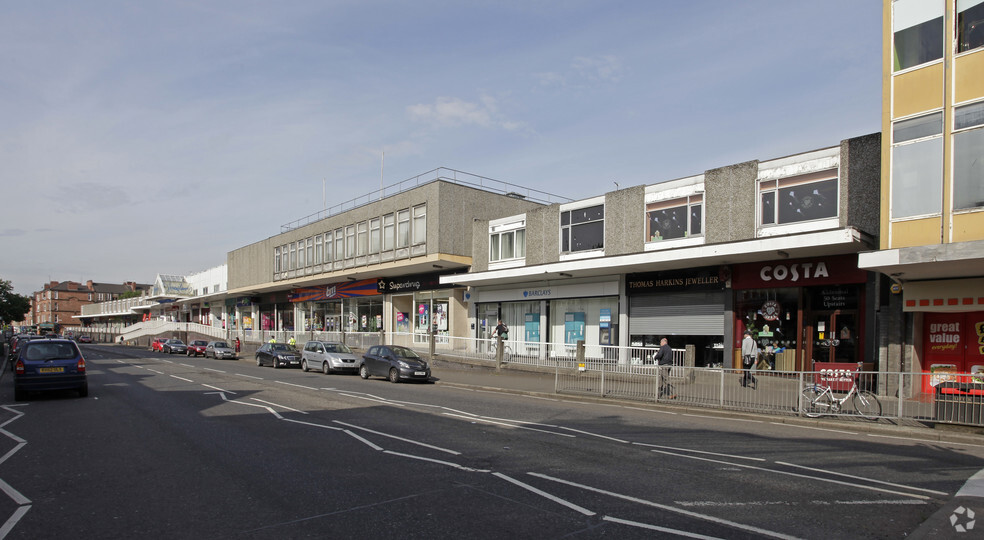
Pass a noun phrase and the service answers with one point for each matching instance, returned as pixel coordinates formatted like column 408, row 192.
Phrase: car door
column 371, row 359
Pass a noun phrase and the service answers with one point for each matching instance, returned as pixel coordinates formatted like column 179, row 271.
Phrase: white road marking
column 215, row 370
column 507, row 424
column 248, row 376
column 312, row 424
column 374, row 400
column 217, row 388
column 278, row 405
column 297, row 385
column 668, row 508
column 432, row 460
column 13, row 450
column 699, row 451
column 445, row 450
column 155, row 371
column 677, row 532
column 546, row 495
column 815, row 428
column 928, row 441
column 367, row 442
column 182, row 378
column 14, row 494
column 12, row 520
column 186, row 365
column 825, row 471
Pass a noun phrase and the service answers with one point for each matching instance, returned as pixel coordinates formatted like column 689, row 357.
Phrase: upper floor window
column 350, row 241
column 419, row 224
column 403, row 228
column 968, row 147
column 677, row 218
column 318, row 253
column 374, row 238
column 917, row 30
column 970, row 24
column 507, row 241
column 799, row 198
column 328, row 248
column 276, row 263
column 310, row 251
column 917, row 166
column 300, row 254
column 582, row 229
column 293, row 256
column 339, row 244
column 362, row 238
column 389, row 231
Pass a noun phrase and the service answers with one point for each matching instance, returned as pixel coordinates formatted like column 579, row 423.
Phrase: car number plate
column 420, row 373
column 51, row 370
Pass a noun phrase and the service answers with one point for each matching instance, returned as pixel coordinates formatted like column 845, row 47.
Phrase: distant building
column 58, row 303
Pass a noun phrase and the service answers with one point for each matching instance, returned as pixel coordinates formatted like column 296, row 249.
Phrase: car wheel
column 363, row 371
column 394, row 375
column 84, row 390
column 258, row 363
column 325, row 369
column 275, row 364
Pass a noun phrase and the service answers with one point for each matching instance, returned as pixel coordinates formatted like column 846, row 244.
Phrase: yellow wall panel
column 968, row 77
column 916, row 232
column 918, row 91
column 968, row 227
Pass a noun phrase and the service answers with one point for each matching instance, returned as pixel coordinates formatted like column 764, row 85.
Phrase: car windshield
column 220, row 344
column 175, row 342
column 199, row 342
column 403, row 352
column 49, row 351
column 338, row 348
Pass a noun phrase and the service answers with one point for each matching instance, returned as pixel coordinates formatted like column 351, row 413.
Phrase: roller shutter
column 698, row 313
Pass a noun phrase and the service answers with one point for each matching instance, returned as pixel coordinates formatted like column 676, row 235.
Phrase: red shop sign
column 839, row 376
column 832, row 270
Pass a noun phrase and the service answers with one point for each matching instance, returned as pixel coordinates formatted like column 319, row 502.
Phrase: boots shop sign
column 798, row 272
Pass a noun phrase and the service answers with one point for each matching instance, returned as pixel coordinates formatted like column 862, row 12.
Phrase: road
column 176, row 447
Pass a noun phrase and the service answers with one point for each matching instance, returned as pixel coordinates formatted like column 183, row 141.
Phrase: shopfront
column 349, row 306
column 421, row 304
column 802, row 311
column 688, row 307
column 558, row 314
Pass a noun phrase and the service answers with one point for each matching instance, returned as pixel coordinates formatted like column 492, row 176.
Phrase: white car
column 219, row 349
column 329, row 357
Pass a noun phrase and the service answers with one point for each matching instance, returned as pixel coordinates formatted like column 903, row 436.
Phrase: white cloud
column 584, row 70
column 453, row 112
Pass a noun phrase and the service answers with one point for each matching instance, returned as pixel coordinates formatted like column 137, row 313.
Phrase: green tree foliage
column 13, row 306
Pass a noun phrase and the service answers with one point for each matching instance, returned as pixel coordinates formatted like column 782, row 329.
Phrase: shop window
column 799, row 198
column 419, row 224
column 362, row 239
column 339, row 244
column 403, row 228
column 917, row 166
column 389, row 232
column 970, row 25
column 677, row 218
column 582, row 229
column 350, row 241
column 968, row 147
column 917, row 30
column 374, row 235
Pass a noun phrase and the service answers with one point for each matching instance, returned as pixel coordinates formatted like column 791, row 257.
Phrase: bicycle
column 819, row 400
column 506, row 351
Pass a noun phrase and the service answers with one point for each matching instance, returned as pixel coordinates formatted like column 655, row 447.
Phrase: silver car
column 219, row 349
column 329, row 357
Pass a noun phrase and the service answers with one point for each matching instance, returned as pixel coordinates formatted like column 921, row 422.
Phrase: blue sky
column 154, row 137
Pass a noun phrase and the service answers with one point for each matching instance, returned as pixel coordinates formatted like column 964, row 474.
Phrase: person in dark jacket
column 664, row 359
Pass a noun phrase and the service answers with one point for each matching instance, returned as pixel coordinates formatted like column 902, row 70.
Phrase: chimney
column 89, row 284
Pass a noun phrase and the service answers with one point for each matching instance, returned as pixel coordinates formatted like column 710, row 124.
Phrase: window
column 374, row 239
column 310, row 251
column 970, row 24
column 403, row 228
column 389, row 231
column 917, row 27
column 677, row 218
column 300, row 254
column 293, row 256
column 917, row 166
column 968, row 147
column 339, row 244
column 420, row 224
column 350, row 241
column 317, row 249
column 276, row 262
column 582, row 229
column 799, row 198
column 328, row 248
column 507, row 245
column 362, row 238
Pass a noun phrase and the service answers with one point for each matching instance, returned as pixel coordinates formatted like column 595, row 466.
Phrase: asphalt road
column 175, row 447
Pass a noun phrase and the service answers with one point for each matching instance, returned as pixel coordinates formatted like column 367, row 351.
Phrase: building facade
column 61, row 303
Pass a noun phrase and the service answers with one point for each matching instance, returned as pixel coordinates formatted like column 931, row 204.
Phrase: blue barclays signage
column 537, row 293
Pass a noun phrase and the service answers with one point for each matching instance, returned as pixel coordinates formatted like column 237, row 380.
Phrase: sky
column 146, row 138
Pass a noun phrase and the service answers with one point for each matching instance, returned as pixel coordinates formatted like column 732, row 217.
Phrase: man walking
column 664, row 359
column 749, row 354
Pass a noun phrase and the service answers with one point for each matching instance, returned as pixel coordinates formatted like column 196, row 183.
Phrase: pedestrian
column 501, row 330
column 291, row 342
column 273, row 340
column 664, row 359
column 238, row 344
column 749, row 354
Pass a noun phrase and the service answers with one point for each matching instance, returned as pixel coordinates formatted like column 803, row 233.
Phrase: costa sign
column 797, row 273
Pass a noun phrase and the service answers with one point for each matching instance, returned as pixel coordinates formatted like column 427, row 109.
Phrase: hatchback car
column 219, row 349
column 84, row 338
column 172, row 346
column 277, row 355
column 395, row 363
column 197, row 347
column 329, row 357
column 49, row 364
column 157, row 344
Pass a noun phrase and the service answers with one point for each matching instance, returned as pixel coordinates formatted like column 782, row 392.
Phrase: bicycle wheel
column 867, row 405
column 816, row 402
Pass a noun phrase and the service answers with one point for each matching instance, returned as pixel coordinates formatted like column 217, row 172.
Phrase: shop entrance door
column 836, row 336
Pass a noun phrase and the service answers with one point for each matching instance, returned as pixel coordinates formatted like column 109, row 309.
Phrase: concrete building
column 932, row 186
column 60, row 303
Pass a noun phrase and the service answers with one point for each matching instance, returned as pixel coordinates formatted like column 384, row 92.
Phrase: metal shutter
column 693, row 313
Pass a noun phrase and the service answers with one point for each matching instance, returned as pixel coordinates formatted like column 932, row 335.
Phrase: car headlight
column 403, row 364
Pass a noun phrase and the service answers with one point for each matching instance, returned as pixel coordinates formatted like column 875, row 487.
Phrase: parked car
column 172, row 346
column 395, row 363
column 219, row 349
column 84, row 338
column 197, row 347
column 277, row 355
column 49, row 364
column 158, row 344
column 329, row 357
column 19, row 342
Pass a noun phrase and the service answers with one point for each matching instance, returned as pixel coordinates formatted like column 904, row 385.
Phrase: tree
column 13, row 306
